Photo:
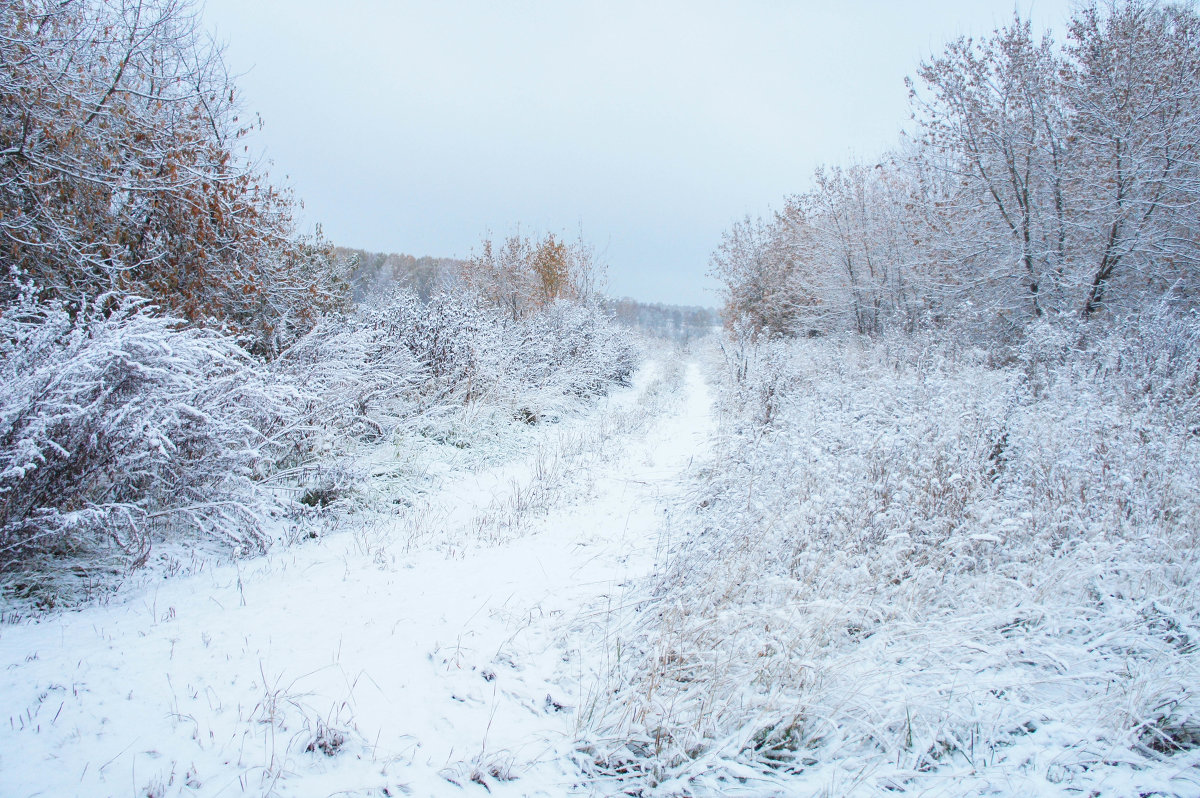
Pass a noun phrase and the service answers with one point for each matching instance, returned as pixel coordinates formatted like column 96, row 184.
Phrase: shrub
column 115, row 424
column 467, row 351
column 353, row 375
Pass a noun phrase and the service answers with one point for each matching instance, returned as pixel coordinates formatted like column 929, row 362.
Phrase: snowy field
column 916, row 512
column 406, row 652
column 811, row 567
column 918, row 567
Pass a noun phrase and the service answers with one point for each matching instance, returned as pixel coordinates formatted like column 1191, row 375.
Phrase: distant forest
column 371, row 273
column 680, row 323
column 374, row 272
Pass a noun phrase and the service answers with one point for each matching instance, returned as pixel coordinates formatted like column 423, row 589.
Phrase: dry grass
column 911, row 570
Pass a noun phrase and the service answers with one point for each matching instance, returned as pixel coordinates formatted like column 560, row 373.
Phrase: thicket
column 397, row 359
column 913, row 567
column 115, row 422
column 121, row 173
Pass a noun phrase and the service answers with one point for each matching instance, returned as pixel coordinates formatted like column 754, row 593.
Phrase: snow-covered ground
column 449, row 643
column 912, row 567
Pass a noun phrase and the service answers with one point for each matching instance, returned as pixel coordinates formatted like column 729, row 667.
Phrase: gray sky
column 419, row 127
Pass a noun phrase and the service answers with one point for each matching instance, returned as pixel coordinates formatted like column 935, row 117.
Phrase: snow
column 854, row 567
column 914, row 568
column 449, row 642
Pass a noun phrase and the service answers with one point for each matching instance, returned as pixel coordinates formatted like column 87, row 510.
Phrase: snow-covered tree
column 995, row 109
column 522, row 274
column 1042, row 180
column 1133, row 79
column 1079, row 163
column 760, row 266
column 121, row 171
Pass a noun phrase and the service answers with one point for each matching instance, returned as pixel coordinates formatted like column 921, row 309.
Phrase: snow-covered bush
column 376, row 389
column 466, row 351
column 576, row 348
column 448, row 337
column 117, row 425
column 354, row 375
column 910, row 569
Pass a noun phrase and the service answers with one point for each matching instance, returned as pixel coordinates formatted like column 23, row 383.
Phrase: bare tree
column 1134, row 84
column 995, row 107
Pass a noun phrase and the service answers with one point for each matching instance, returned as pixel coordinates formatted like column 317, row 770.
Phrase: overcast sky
column 419, row 127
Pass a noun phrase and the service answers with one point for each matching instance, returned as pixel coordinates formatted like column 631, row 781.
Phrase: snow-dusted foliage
column 1043, row 176
column 469, row 352
column 449, row 338
column 116, row 425
column 119, row 426
column 575, row 349
column 357, row 376
column 916, row 567
column 403, row 386
column 121, row 171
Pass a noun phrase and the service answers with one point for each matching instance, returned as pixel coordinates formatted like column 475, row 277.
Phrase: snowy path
column 416, row 670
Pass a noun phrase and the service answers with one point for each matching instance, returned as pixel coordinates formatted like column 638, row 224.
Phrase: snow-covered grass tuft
column 913, row 569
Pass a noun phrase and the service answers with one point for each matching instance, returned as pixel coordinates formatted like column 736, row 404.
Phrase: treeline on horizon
column 371, row 273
